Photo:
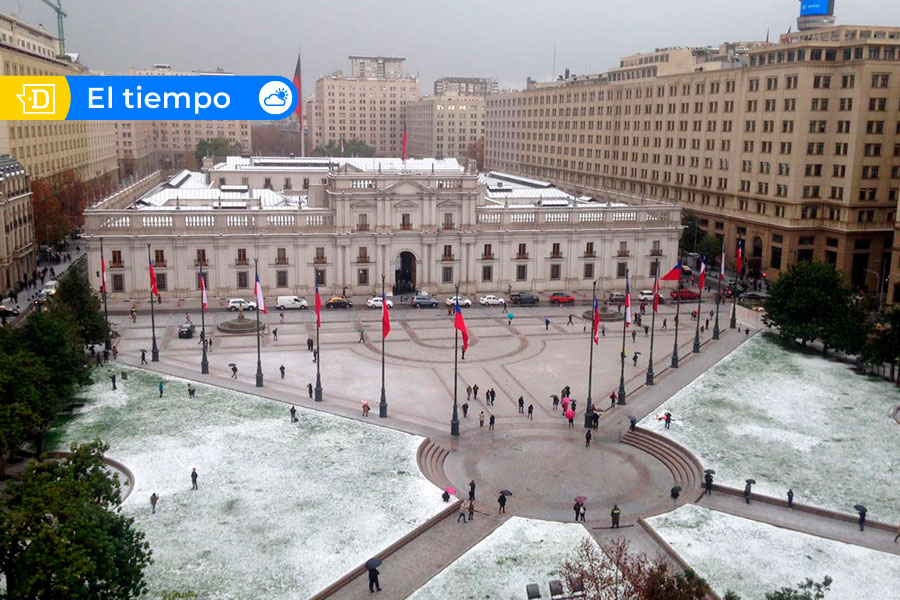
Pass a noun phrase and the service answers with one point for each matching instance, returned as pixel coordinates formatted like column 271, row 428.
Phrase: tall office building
column 793, row 146
column 466, row 86
column 444, row 126
column 17, row 247
column 377, row 67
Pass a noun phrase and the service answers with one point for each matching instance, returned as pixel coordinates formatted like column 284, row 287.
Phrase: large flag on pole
column 298, row 83
column 102, row 274
column 656, row 294
column 460, row 324
column 627, row 304
column 385, row 318
column 153, row 287
column 404, row 140
column 596, row 322
column 722, row 265
column 203, row 301
column 702, row 271
column 318, row 306
column 260, row 300
column 674, row 274
column 739, row 254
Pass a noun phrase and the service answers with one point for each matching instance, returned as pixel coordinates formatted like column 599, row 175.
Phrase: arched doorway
column 754, row 261
column 405, row 273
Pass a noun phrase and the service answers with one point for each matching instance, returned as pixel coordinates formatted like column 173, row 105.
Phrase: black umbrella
column 676, row 489
column 751, row 481
column 632, row 418
column 710, row 471
column 860, row 508
column 373, row 563
column 555, row 397
column 506, row 492
column 232, row 365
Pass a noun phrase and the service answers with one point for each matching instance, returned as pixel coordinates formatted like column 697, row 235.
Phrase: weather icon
column 275, row 98
column 279, row 98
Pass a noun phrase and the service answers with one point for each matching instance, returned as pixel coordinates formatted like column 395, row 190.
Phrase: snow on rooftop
column 321, row 164
column 186, row 179
column 212, row 197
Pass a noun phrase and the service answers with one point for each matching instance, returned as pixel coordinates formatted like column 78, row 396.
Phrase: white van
column 283, row 302
column 50, row 287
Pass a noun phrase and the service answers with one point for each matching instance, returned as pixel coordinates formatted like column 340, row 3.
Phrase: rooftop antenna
column 552, row 75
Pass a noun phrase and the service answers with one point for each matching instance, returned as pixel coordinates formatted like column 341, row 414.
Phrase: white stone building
column 425, row 224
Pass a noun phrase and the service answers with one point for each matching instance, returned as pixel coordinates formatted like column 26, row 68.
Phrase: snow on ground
column 519, row 552
column 752, row 558
column 282, row 509
column 790, row 419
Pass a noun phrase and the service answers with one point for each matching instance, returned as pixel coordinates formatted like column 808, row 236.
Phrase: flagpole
column 154, row 352
column 382, row 406
column 454, row 420
column 259, row 373
column 677, row 313
column 318, row 354
column 699, row 300
column 108, row 345
column 719, row 292
column 653, row 326
column 622, row 357
column 204, row 360
column 733, row 324
column 589, row 410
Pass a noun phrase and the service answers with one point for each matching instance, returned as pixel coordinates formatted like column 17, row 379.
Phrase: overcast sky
column 507, row 39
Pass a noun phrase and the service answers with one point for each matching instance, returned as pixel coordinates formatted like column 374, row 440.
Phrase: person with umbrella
column 501, row 500
column 570, row 415
column 635, row 357
column 633, row 420
column 747, row 490
column 372, row 566
column 144, row 357
column 233, row 370
column 668, row 419
column 676, row 491
column 790, row 496
column 577, row 509
column 281, row 368
column 555, row 401
column 708, row 478
column 472, row 490
column 862, row 516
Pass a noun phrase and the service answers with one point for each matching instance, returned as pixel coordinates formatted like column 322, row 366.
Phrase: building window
column 200, row 261
column 320, row 276
column 243, row 280
column 621, row 269
column 448, row 252
column 281, row 279
column 319, row 257
column 197, row 280
column 241, row 257
column 162, row 281
column 363, row 255
column 118, row 282
column 448, row 221
column 362, row 276
column 623, row 249
column 447, row 275
column 555, row 271
column 268, row 183
column 589, row 250
column 281, row 256
column 487, row 273
column 406, row 221
column 363, row 222
column 159, row 258
column 588, row 270
column 117, row 262
column 521, row 272
column 488, row 253
column 287, row 183
column 775, row 260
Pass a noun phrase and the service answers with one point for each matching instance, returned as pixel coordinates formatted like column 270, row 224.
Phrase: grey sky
column 508, row 39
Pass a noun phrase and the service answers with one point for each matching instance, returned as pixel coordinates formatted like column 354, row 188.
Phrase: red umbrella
column 580, row 499
column 570, row 414
column 565, row 401
column 450, row 489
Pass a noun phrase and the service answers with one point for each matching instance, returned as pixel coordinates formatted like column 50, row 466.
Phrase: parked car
column 375, row 302
column 686, row 294
column 283, row 302
column 8, row 311
column 234, row 304
column 338, row 302
column 50, row 287
column 647, row 296
column 753, row 296
column 523, row 298
column 562, row 298
column 617, row 296
column 462, row 301
column 186, row 330
column 422, row 301
column 686, row 271
column 490, row 300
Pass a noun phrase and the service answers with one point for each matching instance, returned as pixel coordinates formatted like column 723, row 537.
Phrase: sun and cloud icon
column 275, row 97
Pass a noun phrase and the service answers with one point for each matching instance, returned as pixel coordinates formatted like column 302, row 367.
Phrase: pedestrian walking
column 675, row 493
column 577, row 508
column 113, row 379
column 521, row 405
column 194, row 479
column 275, row 335
column 315, row 355
column 612, row 399
column 555, row 401
column 582, row 513
column 665, row 324
column 668, row 419
column 475, row 391
column 365, row 408
column 143, row 357
column 587, row 438
column 445, row 496
column 472, row 491
column 603, row 330
column 281, row 369
column 105, row 355
column 191, row 390
column 468, row 392
column 509, row 317
column 635, row 358
column 373, row 580
column 281, row 317
column 707, row 323
column 646, row 330
column 571, row 422
column 633, row 336
column 161, row 387
column 362, row 336
column 493, row 396
column 615, row 516
column 574, row 402
column 309, row 344
column 153, row 500
column 471, row 510
column 790, row 496
column 465, row 408
column 546, row 323
column 531, row 411
column 99, row 360
column 709, row 481
column 115, row 352
column 234, row 371
column 293, row 415
column 481, row 419
column 862, row 517
column 501, row 500
column 747, row 493
column 209, row 345
column 309, row 388
column 570, row 320
column 491, row 423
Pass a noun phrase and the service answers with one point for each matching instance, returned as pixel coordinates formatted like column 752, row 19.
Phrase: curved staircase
column 684, row 466
column 430, row 458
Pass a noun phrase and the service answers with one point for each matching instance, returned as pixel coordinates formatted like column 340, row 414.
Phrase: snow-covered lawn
column 790, row 419
column 282, row 509
column 752, row 558
column 519, row 552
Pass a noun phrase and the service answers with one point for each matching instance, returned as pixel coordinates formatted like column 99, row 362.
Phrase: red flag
column 702, row 273
column 460, row 324
column 103, row 272
column 656, row 294
column 404, row 140
column 153, row 287
column 596, row 325
column 627, row 304
column 298, row 84
column 318, row 306
column 385, row 318
column 203, row 301
column 260, row 299
column 739, row 254
column 674, row 274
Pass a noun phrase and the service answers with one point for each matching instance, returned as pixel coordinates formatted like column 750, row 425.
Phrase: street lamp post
column 454, row 420
column 588, row 416
column 699, row 300
column 719, row 292
column 108, row 344
column 258, row 285
column 624, row 327
column 677, row 316
column 318, row 397
column 382, row 406
column 154, row 351
column 204, row 360
column 655, row 301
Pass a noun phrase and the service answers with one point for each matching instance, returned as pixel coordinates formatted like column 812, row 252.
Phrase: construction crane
column 60, row 13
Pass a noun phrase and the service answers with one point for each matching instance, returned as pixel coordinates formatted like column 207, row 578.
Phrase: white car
column 237, row 303
column 451, row 301
column 285, row 302
column 492, row 301
column 50, row 287
column 375, row 302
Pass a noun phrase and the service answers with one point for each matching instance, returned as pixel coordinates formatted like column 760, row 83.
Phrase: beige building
column 797, row 152
column 466, row 86
column 370, row 110
column 47, row 148
column 444, row 125
column 17, row 246
column 892, row 281
column 423, row 223
column 377, row 67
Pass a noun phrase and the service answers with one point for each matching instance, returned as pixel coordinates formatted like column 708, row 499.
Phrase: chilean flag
column 318, row 306
column 103, row 274
column 153, row 287
column 298, row 81
column 627, row 304
column 702, row 271
column 596, row 325
column 405, row 136
column 674, row 274
column 722, row 266
column 656, row 294
column 260, row 301
column 385, row 318
column 460, row 324
column 203, row 301
column 739, row 253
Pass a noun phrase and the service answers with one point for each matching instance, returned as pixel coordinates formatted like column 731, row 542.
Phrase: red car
column 562, row 298
column 686, row 294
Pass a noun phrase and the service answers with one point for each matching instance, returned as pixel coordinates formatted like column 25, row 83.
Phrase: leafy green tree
column 883, row 344
column 27, row 402
column 808, row 590
column 216, row 147
column 86, row 308
column 691, row 233
column 710, row 246
column 62, row 534
column 352, row 147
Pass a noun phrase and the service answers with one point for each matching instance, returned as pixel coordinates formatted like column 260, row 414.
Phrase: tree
column 75, row 292
column 475, row 151
column 691, row 234
column 883, row 345
column 62, row 534
column 812, row 301
column 275, row 140
column 808, row 590
column 27, row 402
column 50, row 223
column 216, row 147
column 711, row 247
column 352, row 147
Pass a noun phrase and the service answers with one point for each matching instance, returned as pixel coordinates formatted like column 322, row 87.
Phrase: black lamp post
column 204, row 360
column 677, row 314
column 382, row 405
column 318, row 397
column 624, row 327
column 719, row 292
column 588, row 411
column 108, row 344
column 454, row 420
column 653, row 325
column 737, row 274
column 258, row 285
column 154, row 351
column 699, row 300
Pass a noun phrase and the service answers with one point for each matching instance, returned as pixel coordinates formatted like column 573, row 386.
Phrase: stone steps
column 685, row 468
column 430, row 458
